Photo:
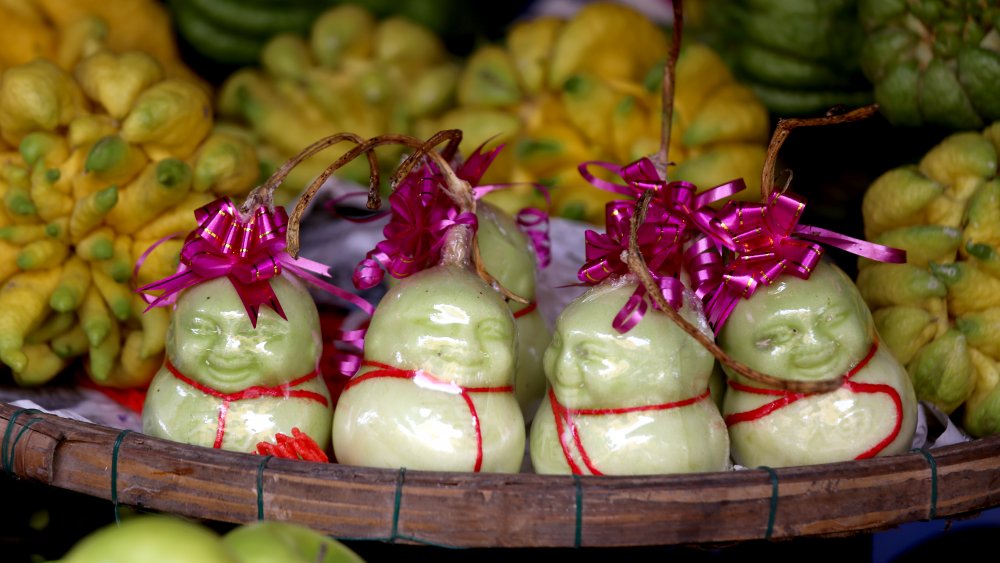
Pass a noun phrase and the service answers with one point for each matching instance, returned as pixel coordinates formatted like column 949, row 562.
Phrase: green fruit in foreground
column 272, row 542
column 151, row 539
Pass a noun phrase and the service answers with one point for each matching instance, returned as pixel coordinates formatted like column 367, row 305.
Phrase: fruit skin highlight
column 938, row 312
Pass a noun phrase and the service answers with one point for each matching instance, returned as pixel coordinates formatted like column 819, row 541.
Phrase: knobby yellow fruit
column 940, row 312
column 559, row 92
column 111, row 157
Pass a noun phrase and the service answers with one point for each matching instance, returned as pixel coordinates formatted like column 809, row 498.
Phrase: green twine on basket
column 578, row 526
column 396, row 502
column 394, row 533
column 260, row 487
column 934, row 481
column 8, row 448
column 773, row 510
column 114, row 473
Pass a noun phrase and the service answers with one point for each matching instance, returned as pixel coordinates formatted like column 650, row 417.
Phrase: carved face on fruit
column 212, row 341
column 448, row 322
column 801, row 329
column 591, row 365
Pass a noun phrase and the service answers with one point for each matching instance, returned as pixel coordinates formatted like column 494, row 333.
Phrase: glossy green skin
column 812, row 330
column 507, row 256
column 270, row 541
column 591, row 365
column 211, row 341
column 154, row 538
column 448, row 323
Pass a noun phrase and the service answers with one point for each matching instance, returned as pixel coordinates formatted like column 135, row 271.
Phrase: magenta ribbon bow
column 676, row 214
column 767, row 243
column 660, row 238
column 249, row 252
column 421, row 212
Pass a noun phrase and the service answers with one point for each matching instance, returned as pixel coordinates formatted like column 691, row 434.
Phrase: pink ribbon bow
column 767, row 243
column 676, row 215
column 421, row 212
column 247, row 251
column 660, row 238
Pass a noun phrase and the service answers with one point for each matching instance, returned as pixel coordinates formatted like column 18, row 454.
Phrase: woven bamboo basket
column 497, row 510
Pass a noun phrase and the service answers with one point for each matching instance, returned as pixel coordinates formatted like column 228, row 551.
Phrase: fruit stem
column 669, row 74
column 785, row 126
column 637, row 265
column 264, row 194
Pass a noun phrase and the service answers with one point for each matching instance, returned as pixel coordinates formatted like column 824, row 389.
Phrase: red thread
column 786, row 398
column 527, row 310
column 255, row 392
column 385, row 370
column 563, row 415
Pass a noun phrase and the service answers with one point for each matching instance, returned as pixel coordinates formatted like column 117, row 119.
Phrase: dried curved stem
column 637, row 265
column 264, row 194
column 785, row 127
column 669, row 76
column 454, row 138
column 364, row 146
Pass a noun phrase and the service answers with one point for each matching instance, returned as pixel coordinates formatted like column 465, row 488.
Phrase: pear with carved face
column 229, row 385
column 626, row 404
column 435, row 390
column 811, row 330
column 508, row 256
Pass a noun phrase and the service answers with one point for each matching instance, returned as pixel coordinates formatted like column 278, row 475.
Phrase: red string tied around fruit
column 768, row 242
column 249, row 251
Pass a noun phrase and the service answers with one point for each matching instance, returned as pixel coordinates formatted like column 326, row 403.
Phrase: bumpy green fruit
column 933, row 62
column 799, row 56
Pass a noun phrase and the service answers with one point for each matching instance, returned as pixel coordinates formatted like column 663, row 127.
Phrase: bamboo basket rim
column 468, row 510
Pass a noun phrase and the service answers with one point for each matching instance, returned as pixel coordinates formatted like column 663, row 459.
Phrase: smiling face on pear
column 801, row 329
column 212, row 341
column 447, row 322
column 591, row 365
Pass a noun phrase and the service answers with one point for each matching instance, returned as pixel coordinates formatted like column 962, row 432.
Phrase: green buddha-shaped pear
column 230, row 385
column 508, row 256
column 435, row 390
column 814, row 329
column 627, row 403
